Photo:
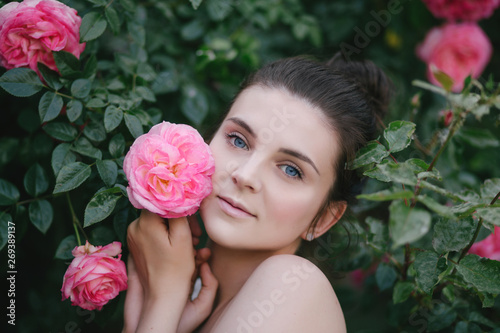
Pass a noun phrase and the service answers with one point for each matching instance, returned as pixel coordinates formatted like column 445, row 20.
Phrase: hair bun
column 375, row 83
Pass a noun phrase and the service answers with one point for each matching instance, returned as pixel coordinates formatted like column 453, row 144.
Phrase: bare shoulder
column 286, row 293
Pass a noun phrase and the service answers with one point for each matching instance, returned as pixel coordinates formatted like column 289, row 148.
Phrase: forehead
column 280, row 119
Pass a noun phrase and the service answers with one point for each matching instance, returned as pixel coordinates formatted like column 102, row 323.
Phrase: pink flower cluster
column 488, row 247
column 95, row 276
column 467, row 10
column 32, row 29
column 457, row 49
column 169, row 170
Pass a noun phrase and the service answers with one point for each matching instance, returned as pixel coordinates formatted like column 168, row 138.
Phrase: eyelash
column 232, row 136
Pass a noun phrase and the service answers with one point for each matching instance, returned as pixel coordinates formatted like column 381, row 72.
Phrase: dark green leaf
column 100, row 3
column 193, row 30
column 126, row 63
column 195, row 3
column 427, row 270
column 95, row 131
column 165, row 82
column 482, row 273
column 480, row 319
column 402, row 290
column 490, row 214
column 398, row 135
column 41, row 214
column 100, row 207
column 466, row 327
column 146, row 93
column 65, row 248
column 146, row 72
column 134, row 125
column 71, row 176
column 117, row 145
column 35, row 180
column 442, row 316
column 61, row 156
column 137, row 32
column 128, row 5
column 113, row 19
column 67, row 64
column 194, row 104
column 488, row 300
column 21, row 82
column 50, row 106
column 378, row 234
column 85, row 147
column 9, row 194
column 8, row 150
column 387, row 195
column 371, row 153
column 218, row 10
column 90, row 68
column 108, row 170
column 436, row 206
column 80, row 88
column 95, row 103
column 407, row 225
column 51, row 77
column 453, row 235
column 490, row 189
column 93, row 26
column 478, row 137
column 399, row 173
column 61, row 131
column 5, row 218
column 112, row 118
column 74, row 110
column 385, row 276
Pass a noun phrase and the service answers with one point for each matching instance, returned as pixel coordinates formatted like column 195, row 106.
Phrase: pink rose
column 95, row 276
column 459, row 50
column 32, row 29
column 169, row 170
column 445, row 117
column 469, row 10
column 488, row 247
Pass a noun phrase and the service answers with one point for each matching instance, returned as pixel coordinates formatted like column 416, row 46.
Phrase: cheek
column 294, row 209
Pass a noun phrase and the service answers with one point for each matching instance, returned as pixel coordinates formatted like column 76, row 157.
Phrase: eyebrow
column 291, row 152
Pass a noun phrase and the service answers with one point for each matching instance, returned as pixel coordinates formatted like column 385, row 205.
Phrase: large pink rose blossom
column 488, row 247
column 169, row 170
column 95, row 276
column 459, row 50
column 468, row 10
column 32, row 29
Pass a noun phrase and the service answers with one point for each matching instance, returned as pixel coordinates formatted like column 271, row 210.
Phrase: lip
column 233, row 208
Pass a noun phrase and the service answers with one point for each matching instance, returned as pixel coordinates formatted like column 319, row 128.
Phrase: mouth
column 233, row 208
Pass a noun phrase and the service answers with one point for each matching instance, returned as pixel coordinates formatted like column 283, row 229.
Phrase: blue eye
column 238, row 142
column 291, row 171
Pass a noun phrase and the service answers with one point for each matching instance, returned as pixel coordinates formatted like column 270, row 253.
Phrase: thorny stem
column 76, row 222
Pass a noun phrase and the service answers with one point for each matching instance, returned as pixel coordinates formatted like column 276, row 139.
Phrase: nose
column 247, row 174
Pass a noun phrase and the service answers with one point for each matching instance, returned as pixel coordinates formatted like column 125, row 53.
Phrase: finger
column 194, row 225
column 206, row 297
column 202, row 255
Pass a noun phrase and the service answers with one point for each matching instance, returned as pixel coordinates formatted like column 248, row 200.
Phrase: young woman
column 280, row 179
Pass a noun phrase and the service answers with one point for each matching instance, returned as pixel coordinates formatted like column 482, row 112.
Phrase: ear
column 328, row 219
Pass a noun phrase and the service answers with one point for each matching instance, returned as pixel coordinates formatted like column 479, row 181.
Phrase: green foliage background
column 182, row 61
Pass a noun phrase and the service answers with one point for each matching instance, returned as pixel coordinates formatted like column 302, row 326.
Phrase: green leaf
column 74, row 110
column 407, row 225
column 165, row 82
column 51, row 77
column 100, row 207
column 117, row 145
column 100, row 3
column 90, row 68
column 134, row 125
column 128, row 5
column 398, row 135
column 218, row 10
column 372, row 153
column 489, row 189
column 108, row 170
column 21, row 82
column 95, row 131
column 35, row 180
column 61, row 156
column 8, row 150
column 385, row 276
column 478, row 137
column 444, row 79
column 399, row 173
column 95, row 103
column 146, row 72
column 193, row 30
column 435, row 206
column 67, row 64
column 378, row 234
column 195, row 3
column 490, row 214
column 146, row 93
column 427, row 268
column 9, row 194
column 126, row 63
column 50, row 106
column 402, row 290
column 453, row 235
column 482, row 273
column 387, row 195
column 84, row 146
column 113, row 19
column 80, row 88
column 41, row 215
column 467, row 327
column 5, row 218
column 66, row 247
column 137, row 32
column 93, row 25
column 61, row 131
column 71, row 176
column 441, row 317
column 112, row 118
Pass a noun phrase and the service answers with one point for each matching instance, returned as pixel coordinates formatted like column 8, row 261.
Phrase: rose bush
column 470, row 10
column 488, row 247
column 459, row 50
column 95, row 276
column 169, row 170
column 32, row 29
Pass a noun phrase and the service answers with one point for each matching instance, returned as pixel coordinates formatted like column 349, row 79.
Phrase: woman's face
column 274, row 157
